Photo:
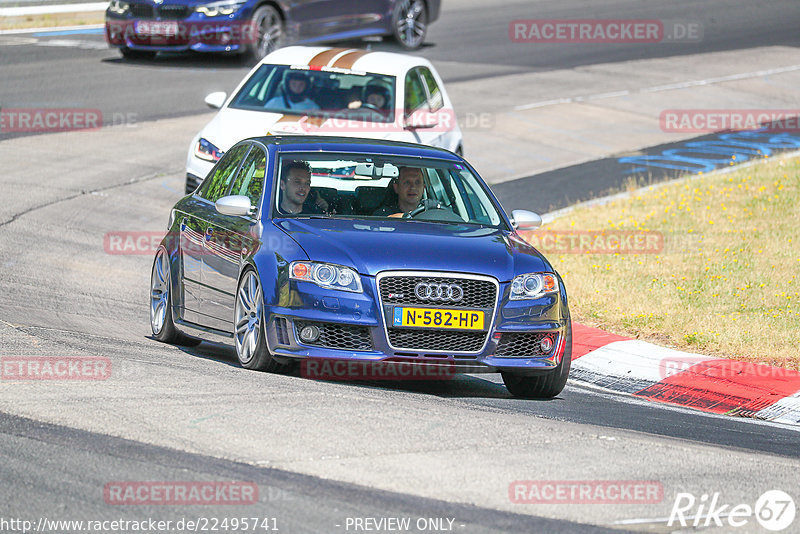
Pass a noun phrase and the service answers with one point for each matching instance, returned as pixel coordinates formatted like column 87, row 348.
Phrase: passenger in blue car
column 293, row 93
column 295, row 187
column 403, row 194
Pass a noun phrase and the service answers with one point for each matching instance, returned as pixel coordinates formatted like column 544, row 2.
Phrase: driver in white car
column 293, row 93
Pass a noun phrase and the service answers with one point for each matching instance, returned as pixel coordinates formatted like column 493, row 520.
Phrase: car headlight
column 118, row 7
column 206, row 150
column 219, row 9
column 533, row 285
column 326, row 275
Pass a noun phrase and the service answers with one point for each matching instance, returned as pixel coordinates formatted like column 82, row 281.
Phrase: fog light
column 547, row 344
column 309, row 334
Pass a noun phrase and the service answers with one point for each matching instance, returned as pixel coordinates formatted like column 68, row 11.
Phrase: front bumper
column 231, row 36
column 353, row 327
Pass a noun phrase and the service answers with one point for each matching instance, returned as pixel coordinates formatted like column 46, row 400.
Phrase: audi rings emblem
column 443, row 292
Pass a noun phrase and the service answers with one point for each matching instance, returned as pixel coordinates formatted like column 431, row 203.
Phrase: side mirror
column 234, row 205
column 420, row 121
column 216, row 100
column 525, row 220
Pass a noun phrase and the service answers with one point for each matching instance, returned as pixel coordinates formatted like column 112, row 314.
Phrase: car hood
column 375, row 246
column 230, row 126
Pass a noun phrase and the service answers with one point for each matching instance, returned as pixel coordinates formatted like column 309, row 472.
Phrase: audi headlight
column 118, row 7
column 533, row 285
column 219, row 9
column 326, row 275
column 206, row 150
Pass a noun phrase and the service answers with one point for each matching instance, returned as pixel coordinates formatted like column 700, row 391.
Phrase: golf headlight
column 206, row 150
column 219, row 9
column 118, row 7
column 533, row 285
column 326, row 275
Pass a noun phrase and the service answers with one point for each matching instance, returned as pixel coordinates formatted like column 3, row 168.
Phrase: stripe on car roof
column 323, row 58
column 346, row 61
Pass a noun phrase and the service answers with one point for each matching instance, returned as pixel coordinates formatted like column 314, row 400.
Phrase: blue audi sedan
column 329, row 249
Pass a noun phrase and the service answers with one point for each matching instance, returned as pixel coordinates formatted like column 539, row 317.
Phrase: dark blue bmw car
column 141, row 28
column 301, row 248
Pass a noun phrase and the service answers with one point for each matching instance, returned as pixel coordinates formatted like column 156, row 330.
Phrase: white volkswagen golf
column 329, row 91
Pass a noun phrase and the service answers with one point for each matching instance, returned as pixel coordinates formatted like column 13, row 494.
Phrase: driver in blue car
column 404, row 193
column 294, row 93
column 295, row 188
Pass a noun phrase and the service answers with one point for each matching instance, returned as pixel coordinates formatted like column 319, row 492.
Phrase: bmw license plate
column 157, row 28
column 438, row 318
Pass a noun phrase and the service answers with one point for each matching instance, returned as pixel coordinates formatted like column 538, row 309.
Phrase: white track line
column 46, row 10
column 659, row 88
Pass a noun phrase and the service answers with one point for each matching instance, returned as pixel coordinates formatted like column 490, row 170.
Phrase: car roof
column 357, row 59
column 307, row 143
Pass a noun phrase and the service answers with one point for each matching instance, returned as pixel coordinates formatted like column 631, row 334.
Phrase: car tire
column 269, row 33
column 127, row 53
column 161, row 323
column 250, row 329
column 544, row 386
column 410, row 23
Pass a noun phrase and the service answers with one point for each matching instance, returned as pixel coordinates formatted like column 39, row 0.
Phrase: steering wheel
column 424, row 205
column 371, row 107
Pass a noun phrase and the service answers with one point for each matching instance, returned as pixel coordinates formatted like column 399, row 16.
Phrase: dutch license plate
column 159, row 28
column 438, row 318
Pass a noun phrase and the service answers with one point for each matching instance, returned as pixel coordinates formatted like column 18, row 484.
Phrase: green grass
column 725, row 283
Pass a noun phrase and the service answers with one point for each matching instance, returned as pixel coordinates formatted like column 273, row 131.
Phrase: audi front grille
column 451, row 291
column 478, row 293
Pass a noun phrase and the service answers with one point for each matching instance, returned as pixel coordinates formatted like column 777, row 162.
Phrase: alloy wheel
column 249, row 313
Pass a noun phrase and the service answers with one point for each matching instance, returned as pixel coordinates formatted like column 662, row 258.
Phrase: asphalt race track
column 324, row 453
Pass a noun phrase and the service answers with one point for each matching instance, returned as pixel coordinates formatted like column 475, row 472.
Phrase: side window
column 436, row 100
column 250, row 181
column 416, row 98
column 216, row 184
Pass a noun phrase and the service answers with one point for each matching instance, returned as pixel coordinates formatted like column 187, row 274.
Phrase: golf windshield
column 327, row 92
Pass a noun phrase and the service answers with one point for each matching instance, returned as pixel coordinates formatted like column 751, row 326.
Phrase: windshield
column 323, row 92
column 381, row 187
